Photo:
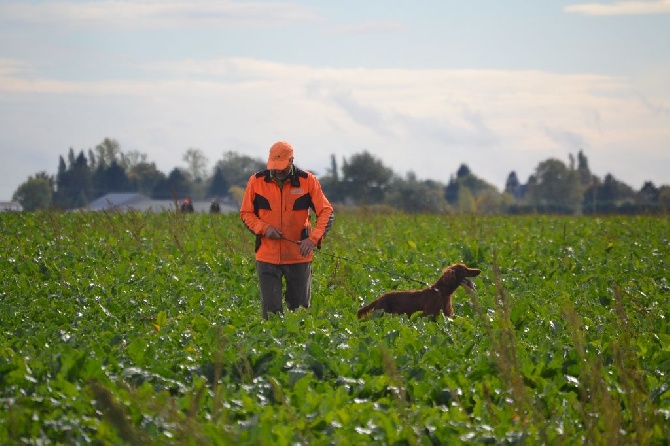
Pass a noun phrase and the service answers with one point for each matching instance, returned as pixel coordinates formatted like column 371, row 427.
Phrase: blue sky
column 423, row 85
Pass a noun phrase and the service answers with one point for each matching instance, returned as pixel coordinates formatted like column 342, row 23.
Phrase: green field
column 146, row 329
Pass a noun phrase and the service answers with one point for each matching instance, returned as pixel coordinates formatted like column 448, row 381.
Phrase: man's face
column 283, row 174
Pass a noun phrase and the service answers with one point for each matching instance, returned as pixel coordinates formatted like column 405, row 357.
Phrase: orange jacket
column 264, row 204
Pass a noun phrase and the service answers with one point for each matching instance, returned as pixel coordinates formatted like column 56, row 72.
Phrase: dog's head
column 462, row 272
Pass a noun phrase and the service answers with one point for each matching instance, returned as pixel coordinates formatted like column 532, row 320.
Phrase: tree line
column 362, row 180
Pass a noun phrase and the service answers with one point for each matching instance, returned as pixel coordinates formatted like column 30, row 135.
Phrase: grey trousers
column 298, row 277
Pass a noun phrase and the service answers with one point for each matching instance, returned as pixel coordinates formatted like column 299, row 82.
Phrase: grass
column 146, row 329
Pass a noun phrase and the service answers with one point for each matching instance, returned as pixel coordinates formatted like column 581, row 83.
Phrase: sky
column 422, row 85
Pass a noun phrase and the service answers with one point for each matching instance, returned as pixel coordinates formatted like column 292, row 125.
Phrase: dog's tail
column 366, row 310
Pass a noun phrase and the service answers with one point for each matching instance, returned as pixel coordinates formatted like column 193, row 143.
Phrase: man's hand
column 273, row 233
column 306, row 246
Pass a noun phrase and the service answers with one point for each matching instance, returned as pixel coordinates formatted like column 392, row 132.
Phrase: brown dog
column 429, row 300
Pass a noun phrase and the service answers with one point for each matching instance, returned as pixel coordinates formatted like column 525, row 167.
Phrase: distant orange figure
column 186, row 205
column 214, row 207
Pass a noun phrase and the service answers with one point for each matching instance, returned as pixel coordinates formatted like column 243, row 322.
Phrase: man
column 214, row 207
column 187, row 205
column 275, row 208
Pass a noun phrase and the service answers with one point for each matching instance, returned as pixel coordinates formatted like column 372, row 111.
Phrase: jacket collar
column 293, row 177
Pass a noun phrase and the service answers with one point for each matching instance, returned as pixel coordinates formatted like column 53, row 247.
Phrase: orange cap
column 281, row 153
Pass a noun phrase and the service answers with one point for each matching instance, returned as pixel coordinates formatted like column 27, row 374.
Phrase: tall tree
column 648, row 194
column 237, row 169
column 614, row 191
column 108, row 151
column 36, row 193
column 466, row 201
column 145, row 177
column 196, row 164
column 413, row 196
column 175, row 186
column 513, row 186
column 466, row 179
column 463, row 171
column 74, row 186
column 334, row 171
column 365, row 179
column 585, row 176
column 111, row 179
column 590, row 201
column 218, row 186
column 82, row 184
column 451, row 191
column 71, row 158
column 664, row 198
column 62, row 171
column 331, row 184
column 475, row 184
column 92, row 159
column 132, row 158
column 557, row 187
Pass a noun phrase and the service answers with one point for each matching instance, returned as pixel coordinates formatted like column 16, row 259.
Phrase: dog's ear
column 448, row 276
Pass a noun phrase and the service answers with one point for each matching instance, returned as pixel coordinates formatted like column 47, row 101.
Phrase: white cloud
column 371, row 28
column 426, row 121
column 157, row 14
column 12, row 67
column 621, row 8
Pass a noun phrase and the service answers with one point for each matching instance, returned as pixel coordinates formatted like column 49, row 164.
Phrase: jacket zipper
column 281, row 219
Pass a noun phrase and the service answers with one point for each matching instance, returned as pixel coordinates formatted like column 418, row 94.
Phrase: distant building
column 142, row 203
column 10, row 206
column 128, row 201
